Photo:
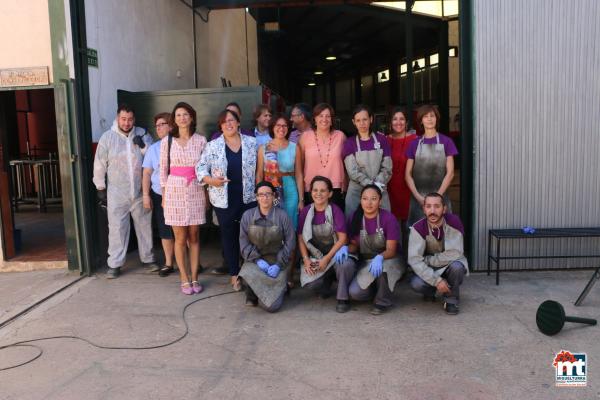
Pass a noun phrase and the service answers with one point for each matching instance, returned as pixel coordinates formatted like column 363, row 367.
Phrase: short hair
column 304, row 110
column 126, row 108
column 393, row 112
column 190, row 110
column 263, row 184
column 426, row 109
column 435, row 194
column 163, row 115
column 319, row 108
column 223, row 116
column 319, row 178
column 273, row 122
column 258, row 110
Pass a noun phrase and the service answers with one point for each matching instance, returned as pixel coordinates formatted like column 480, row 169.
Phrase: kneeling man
column 435, row 253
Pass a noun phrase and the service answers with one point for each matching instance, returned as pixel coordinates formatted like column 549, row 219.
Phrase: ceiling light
column 330, row 58
column 312, row 84
column 318, row 72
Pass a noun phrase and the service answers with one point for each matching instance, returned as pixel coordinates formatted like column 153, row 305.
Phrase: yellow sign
column 31, row 76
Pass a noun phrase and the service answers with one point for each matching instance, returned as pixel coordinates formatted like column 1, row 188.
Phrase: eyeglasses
column 264, row 195
column 161, row 125
column 229, row 121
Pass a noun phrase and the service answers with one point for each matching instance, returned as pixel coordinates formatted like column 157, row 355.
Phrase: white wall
column 25, row 34
column 142, row 44
column 536, row 130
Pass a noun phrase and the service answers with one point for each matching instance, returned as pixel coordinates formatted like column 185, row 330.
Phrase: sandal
column 237, row 285
column 196, row 287
column 165, row 270
column 186, row 288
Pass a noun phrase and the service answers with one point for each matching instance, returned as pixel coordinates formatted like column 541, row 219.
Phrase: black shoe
column 342, row 306
column 251, row 298
column 223, row 270
column 451, row 309
column 251, row 302
column 113, row 273
column 429, row 297
column 378, row 310
column 165, row 271
column 201, row 268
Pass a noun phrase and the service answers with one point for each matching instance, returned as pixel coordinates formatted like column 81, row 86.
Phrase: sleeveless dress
column 285, row 163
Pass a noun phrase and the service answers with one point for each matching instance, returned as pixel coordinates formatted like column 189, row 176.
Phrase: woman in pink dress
column 183, row 196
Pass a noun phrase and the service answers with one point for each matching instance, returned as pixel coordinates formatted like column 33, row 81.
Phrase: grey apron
column 429, row 170
column 370, row 246
column 370, row 162
column 432, row 244
column 324, row 237
column 268, row 240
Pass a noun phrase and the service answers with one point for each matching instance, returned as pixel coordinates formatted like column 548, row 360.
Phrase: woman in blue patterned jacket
column 228, row 167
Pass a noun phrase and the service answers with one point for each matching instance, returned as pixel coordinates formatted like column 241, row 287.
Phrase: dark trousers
column 338, row 198
column 379, row 289
column 229, row 224
column 454, row 275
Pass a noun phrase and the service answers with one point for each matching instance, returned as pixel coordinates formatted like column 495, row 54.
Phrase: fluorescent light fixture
column 331, row 58
column 434, row 59
column 312, row 84
column 318, row 72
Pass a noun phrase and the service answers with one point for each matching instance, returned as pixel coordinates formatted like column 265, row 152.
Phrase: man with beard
column 118, row 179
column 435, row 253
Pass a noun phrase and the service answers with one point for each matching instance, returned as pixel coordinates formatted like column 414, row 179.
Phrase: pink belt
column 189, row 173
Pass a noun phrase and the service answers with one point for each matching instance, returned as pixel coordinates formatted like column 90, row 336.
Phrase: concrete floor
column 491, row 350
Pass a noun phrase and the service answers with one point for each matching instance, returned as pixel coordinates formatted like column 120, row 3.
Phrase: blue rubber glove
column 273, row 271
column 341, row 255
column 376, row 267
column 263, row 265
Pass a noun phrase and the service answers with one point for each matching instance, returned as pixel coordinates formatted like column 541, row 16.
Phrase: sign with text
column 92, row 57
column 30, row 76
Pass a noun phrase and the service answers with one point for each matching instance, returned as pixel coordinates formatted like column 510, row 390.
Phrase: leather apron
column 429, row 170
column 369, row 161
column 370, row 246
column 268, row 240
column 324, row 237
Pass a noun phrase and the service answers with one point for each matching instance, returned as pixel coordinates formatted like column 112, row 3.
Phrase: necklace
column 324, row 165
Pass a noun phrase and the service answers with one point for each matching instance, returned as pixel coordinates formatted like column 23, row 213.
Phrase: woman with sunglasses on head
column 321, row 154
column 228, row 167
column 267, row 240
column 374, row 236
column 184, row 198
column 322, row 243
column 367, row 157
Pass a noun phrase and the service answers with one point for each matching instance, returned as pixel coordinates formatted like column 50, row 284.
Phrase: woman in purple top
column 374, row 235
column 322, row 243
column 430, row 165
column 368, row 160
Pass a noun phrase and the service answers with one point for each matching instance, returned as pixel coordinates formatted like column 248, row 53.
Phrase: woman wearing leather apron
column 374, row 235
column 322, row 243
column 367, row 158
column 430, row 165
column 267, row 239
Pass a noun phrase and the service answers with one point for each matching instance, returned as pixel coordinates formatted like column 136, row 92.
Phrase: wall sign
column 30, row 76
column 92, row 57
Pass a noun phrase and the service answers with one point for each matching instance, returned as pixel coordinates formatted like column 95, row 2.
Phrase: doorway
column 32, row 210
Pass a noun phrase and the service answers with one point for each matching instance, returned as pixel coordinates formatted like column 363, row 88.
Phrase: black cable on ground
column 27, row 343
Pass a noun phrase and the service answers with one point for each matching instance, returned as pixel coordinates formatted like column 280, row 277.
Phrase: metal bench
column 507, row 234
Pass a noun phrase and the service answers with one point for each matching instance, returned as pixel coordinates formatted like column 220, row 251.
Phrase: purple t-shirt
column 451, row 219
column 366, row 145
column 338, row 218
column 449, row 145
column 387, row 221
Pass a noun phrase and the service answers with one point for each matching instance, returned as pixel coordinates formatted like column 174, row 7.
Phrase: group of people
column 292, row 191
